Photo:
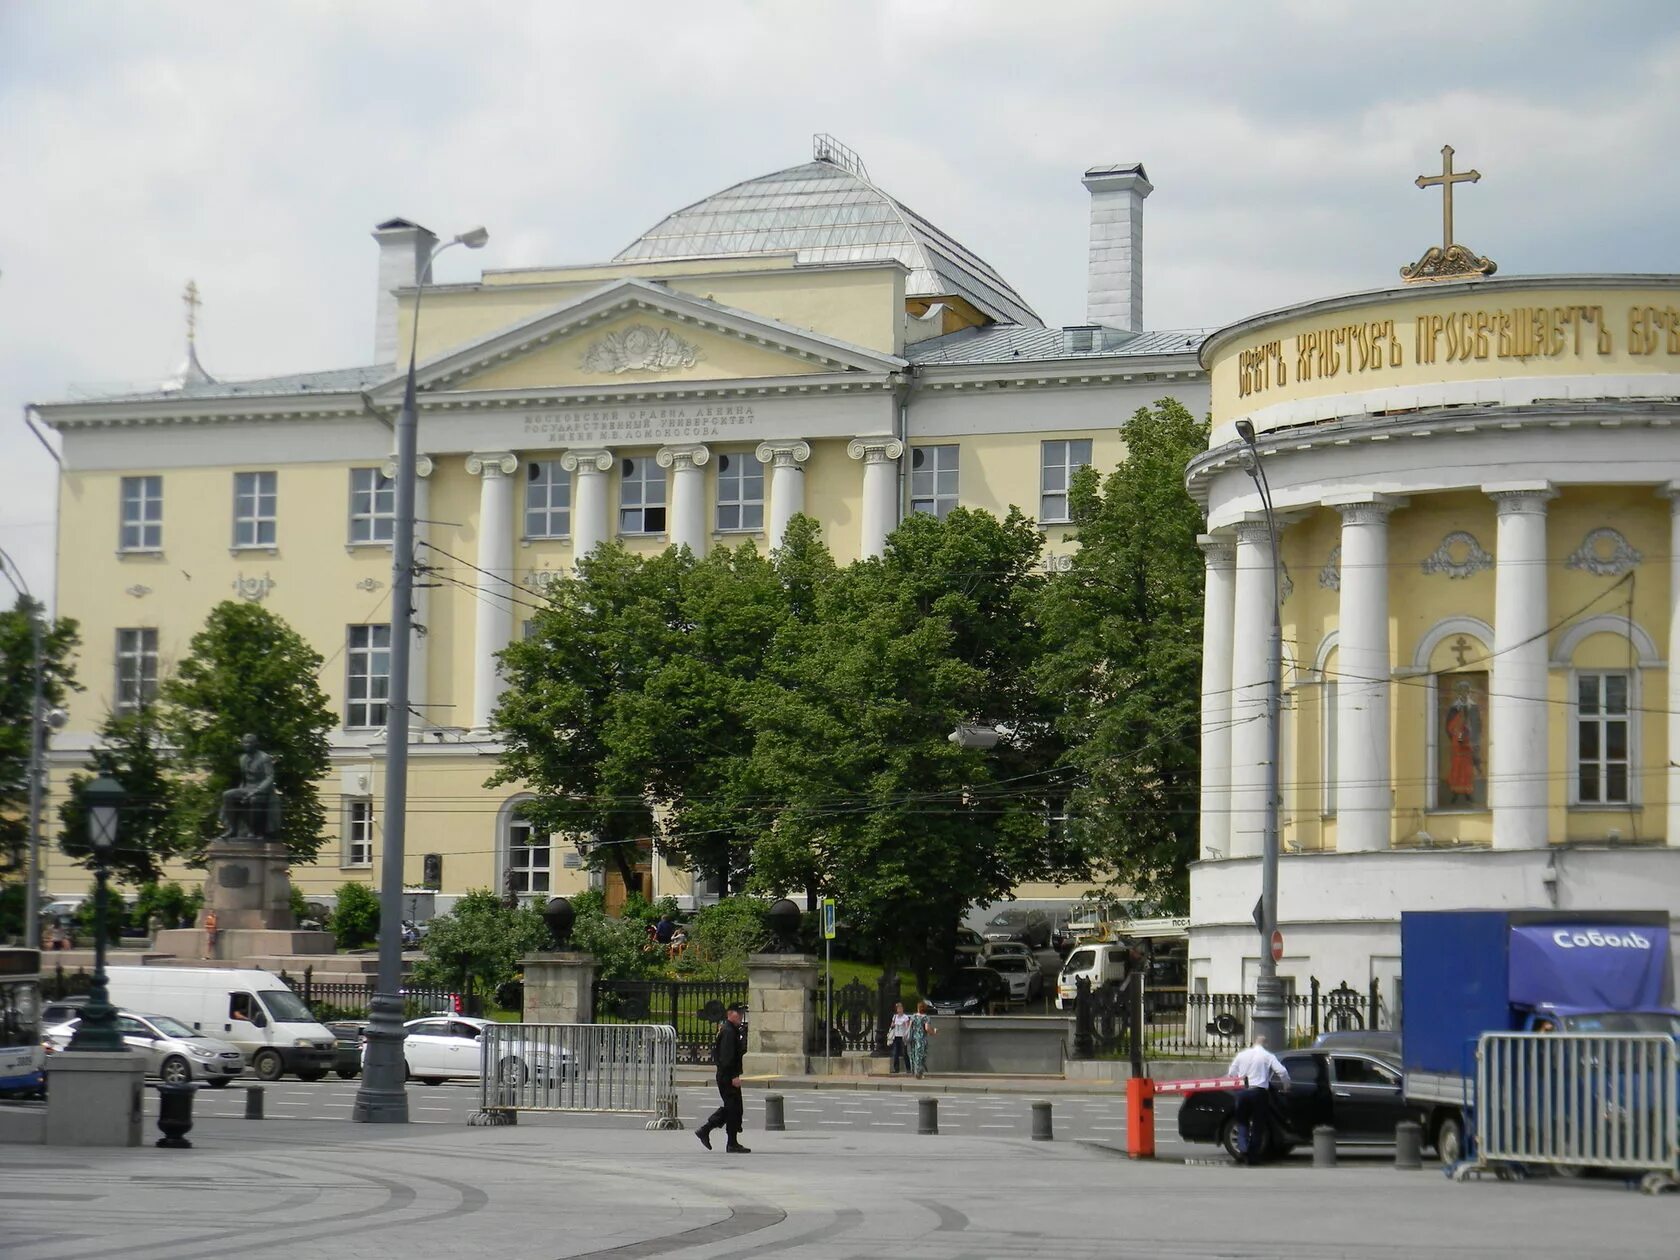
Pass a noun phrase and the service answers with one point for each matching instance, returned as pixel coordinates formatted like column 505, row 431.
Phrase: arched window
column 526, row 853
column 1605, row 656
column 1452, row 664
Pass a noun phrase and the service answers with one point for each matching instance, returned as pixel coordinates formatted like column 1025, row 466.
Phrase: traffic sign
column 1277, row 946
column 828, row 909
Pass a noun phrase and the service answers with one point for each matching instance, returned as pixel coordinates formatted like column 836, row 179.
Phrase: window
column 1602, row 736
column 373, row 505
column 369, row 681
column 548, row 499
column 137, row 652
column 740, row 492
column 641, row 501
column 530, row 859
column 254, row 495
column 358, row 834
column 1350, row 1071
column 1332, row 735
column 1060, row 460
column 142, row 513
column 933, row 479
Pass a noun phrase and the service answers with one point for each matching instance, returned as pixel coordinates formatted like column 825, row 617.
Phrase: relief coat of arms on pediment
column 639, row 348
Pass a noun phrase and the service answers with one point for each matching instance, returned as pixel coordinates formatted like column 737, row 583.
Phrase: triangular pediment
column 632, row 334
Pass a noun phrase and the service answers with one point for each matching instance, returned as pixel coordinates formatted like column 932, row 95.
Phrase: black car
column 1030, row 927
column 969, row 991
column 1355, row 1092
column 1383, row 1041
column 347, row 1033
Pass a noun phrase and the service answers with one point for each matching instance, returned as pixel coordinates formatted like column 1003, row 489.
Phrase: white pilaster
column 1518, row 781
column 493, row 626
column 591, row 522
column 1672, row 492
column 688, row 494
column 1218, row 619
column 1250, row 681
column 421, row 603
column 880, row 490
column 1364, row 787
column 787, row 484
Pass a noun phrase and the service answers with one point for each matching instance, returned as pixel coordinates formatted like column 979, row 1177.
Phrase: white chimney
column 404, row 248
column 1115, row 297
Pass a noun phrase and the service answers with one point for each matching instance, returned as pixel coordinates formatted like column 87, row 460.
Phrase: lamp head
column 474, row 238
column 104, row 798
column 1245, row 430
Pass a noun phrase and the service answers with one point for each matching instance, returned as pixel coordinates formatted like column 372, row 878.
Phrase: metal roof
column 1007, row 342
column 825, row 214
column 337, row 381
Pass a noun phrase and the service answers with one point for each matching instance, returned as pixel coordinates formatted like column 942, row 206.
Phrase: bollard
column 927, row 1115
column 175, row 1113
column 773, row 1120
column 1408, row 1144
column 1041, row 1123
column 253, row 1102
column 1140, row 1118
column 1324, row 1146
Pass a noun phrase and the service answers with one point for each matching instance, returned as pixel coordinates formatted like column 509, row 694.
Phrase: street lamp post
column 103, row 799
column 1268, row 990
column 382, row 1098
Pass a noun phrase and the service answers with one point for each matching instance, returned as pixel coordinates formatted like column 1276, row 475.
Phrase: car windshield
column 1080, row 960
column 958, row 986
column 169, row 1027
column 286, row 1007
column 1009, row 962
column 1624, row 1022
column 1009, row 918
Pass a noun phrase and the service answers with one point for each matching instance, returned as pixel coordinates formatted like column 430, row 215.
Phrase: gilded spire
column 1449, row 260
column 191, row 371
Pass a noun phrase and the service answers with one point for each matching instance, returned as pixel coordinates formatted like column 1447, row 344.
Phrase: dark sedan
column 347, row 1033
column 969, row 991
column 1357, row 1093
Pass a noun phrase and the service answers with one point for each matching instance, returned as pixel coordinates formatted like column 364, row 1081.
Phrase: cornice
column 1057, row 373
column 300, row 407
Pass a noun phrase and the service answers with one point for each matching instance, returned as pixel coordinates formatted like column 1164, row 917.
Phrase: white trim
column 1572, row 735
column 1326, row 645
column 1607, row 623
column 1443, row 630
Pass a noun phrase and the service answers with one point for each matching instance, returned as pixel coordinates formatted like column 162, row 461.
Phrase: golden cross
column 190, row 297
column 1446, row 179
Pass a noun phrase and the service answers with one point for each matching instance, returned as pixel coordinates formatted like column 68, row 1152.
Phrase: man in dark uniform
column 727, row 1053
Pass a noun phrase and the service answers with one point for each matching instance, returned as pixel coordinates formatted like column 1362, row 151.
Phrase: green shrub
column 720, row 937
column 355, row 919
column 174, row 906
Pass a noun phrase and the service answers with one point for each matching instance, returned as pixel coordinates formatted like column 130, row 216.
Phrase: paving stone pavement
column 547, row 1189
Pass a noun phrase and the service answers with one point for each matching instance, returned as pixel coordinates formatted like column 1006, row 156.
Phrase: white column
column 1518, row 781
column 787, row 484
column 591, row 525
column 1672, row 492
column 1251, row 626
column 1218, row 614
column 880, row 490
column 421, row 602
column 493, row 627
column 1364, row 774
column 688, row 494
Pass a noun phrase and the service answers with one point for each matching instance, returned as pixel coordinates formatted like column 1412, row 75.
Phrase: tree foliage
column 1123, row 631
column 59, row 640
column 248, row 671
column 151, row 831
column 479, row 943
column 355, row 918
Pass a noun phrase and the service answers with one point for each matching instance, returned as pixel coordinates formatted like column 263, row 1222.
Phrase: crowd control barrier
column 577, row 1067
column 1577, row 1100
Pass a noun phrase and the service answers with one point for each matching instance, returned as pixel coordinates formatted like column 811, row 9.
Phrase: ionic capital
column 422, row 466
column 783, row 454
column 875, row 450
column 490, row 464
column 587, row 461
column 1220, row 550
column 1521, row 498
column 1365, row 509
column 694, row 455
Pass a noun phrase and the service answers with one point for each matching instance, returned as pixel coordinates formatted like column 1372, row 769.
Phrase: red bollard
column 1140, row 1118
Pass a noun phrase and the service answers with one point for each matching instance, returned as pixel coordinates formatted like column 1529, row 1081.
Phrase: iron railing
column 692, row 1008
column 349, row 999
column 856, row 1021
column 577, row 1067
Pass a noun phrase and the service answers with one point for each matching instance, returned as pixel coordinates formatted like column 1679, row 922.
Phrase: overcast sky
column 252, row 147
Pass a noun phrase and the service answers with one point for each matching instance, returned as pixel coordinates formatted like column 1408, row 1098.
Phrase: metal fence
column 856, row 1020
column 1212, row 1025
column 349, row 999
column 692, row 1008
column 1579, row 1100
column 577, row 1067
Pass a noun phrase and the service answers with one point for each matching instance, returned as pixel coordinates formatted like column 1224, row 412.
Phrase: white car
column 173, row 1051
column 999, row 949
column 441, row 1048
column 1022, row 973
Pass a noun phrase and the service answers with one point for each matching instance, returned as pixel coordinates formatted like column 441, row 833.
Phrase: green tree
column 721, row 936
column 151, row 832
column 619, row 945
column 1123, row 629
column 355, row 917
column 479, row 943
column 248, row 671
column 173, row 905
column 59, row 640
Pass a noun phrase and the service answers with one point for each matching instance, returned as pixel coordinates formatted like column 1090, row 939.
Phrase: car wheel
column 219, row 1082
column 175, row 1070
column 431, row 1080
column 268, row 1065
column 1449, row 1140
column 313, row 1076
column 348, row 1074
column 1257, row 1136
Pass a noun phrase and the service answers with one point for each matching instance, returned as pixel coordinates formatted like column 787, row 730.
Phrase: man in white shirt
column 1258, row 1067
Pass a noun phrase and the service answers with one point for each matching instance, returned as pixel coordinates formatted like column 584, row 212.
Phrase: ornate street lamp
column 103, row 799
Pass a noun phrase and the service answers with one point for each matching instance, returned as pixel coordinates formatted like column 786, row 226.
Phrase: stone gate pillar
column 559, row 988
column 779, row 988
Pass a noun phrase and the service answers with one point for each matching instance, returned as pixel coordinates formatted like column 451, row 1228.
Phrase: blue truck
column 1467, row 972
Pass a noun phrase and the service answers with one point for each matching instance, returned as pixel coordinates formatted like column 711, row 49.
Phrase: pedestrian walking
column 728, row 1052
column 921, row 1027
column 898, row 1037
column 1259, row 1068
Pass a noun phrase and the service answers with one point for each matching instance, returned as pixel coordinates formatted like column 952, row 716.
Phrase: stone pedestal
column 246, row 884
column 241, row 945
column 559, row 988
column 93, row 1098
column 779, row 988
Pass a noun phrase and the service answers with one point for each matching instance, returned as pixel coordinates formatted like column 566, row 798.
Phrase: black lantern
column 103, row 799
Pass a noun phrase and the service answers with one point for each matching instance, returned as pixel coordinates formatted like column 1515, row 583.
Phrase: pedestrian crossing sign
column 828, row 909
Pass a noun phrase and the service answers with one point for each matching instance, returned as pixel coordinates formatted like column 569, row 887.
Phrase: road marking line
column 997, row 1126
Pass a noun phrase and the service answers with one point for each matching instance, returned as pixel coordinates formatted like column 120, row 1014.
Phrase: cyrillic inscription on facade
column 629, row 425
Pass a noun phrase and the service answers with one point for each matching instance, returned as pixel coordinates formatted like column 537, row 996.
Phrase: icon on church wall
column 1461, row 754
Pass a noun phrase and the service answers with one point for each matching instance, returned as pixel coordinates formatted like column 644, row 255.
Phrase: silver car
column 173, row 1051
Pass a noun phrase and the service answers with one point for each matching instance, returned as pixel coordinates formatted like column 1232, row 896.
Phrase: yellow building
column 1476, row 481
column 800, row 342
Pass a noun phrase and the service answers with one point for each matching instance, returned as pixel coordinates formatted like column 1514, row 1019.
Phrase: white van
column 253, row 1009
column 1095, row 961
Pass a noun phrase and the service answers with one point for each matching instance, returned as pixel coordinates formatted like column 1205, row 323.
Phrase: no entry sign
column 1277, row 946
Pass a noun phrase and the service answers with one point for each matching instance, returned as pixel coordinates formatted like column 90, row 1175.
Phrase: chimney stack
column 1115, row 297
column 404, row 249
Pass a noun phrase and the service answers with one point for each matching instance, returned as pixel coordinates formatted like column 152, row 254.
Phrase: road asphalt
column 557, row 1186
